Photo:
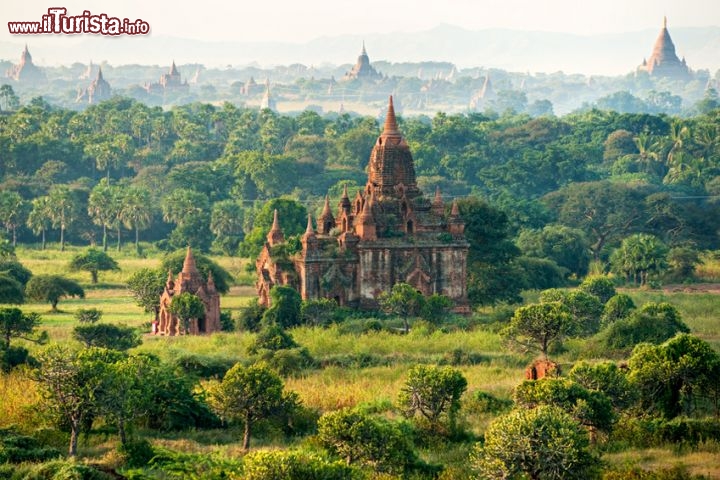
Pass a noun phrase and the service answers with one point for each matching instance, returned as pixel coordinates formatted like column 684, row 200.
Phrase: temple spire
column 391, row 126
column 309, row 229
column 99, row 75
column 189, row 263
column 364, row 52
column 275, row 235
column 326, row 207
column 665, row 21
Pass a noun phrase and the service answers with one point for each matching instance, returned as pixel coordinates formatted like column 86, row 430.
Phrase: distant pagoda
column 98, row 91
column 25, row 71
column 663, row 61
column 362, row 69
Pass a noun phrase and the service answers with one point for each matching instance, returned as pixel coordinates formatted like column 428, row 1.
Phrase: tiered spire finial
column 189, row 263
column 391, row 126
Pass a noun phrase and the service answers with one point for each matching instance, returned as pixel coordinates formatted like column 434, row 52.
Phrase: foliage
column 359, row 438
column 18, row 448
column 11, row 291
column 285, row 303
column 14, row 323
column 318, row 311
column 616, row 308
column 681, row 261
column 187, row 306
column 492, row 277
column 639, row 257
column 93, row 261
column 88, row 315
column 541, row 273
column 672, row 376
column 15, row 270
column 51, row 288
column 146, row 285
column 272, row 337
column 653, row 323
column 599, row 285
column 250, row 317
column 250, row 394
column 567, row 247
column 584, row 308
column 539, row 326
column 173, row 262
column 292, row 217
column 402, row 300
column 591, row 408
column 433, row 393
column 292, row 465
column 608, row 378
column 106, row 335
column 543, row 443
column 435, row 308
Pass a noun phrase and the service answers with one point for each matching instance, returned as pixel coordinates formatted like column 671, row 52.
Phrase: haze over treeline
column 513, row 50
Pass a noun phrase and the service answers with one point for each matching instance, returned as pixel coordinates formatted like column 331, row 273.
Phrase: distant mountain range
column 512, row 50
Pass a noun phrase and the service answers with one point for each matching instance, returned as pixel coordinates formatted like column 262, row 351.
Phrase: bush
column 482, row 402
column 226, row 321
column 204, row 367
column 136, row 453
column 250, row 317
column 678, row 472
column 461, row 357
column 292, row 465
column 88, row 315
column 105, row 335
column 288, row 361
column 16, row 448
column 600, row 286
column 64, row 470
column 653, row 323
column 13, row 356
column 617, row 308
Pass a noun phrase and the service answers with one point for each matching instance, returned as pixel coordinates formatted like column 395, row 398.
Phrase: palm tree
column 62, row 207
column 136, row 211
column 102, row 207
column 40, row 218
column 12, row 211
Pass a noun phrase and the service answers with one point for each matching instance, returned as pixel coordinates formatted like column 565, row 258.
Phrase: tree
column 539, row 443
column 51, row 288
column 11, row 291
column 105, row 335
column 604, row 211
column 226, row 223
column 16, row 324
column 608, row 378
column 435, row 308
column 190, row 212
column 672, row 376
column 12, row 212
column 538, row 326
column 93, row 261
column 187, row 307
column 69, row 382
column 292, row 217
column 40, row 218
column 402, row 300
column 682, row 262
column 15, row 270
column 639, row 257
column 318, row 311
column 433, row 393
column 284, row 307
column 103, row 207
column 88, row 315
column 617, row 308
column 136, row 211
column 360, row 438
column 250, row 394
column 492, row 274
column 173, row 262
column 62, row 208
column 584, row 308
column 147, row 285
column 10, row 100
column 599, row 285
column 592, row 408
column 567, row 246
column 653, row 323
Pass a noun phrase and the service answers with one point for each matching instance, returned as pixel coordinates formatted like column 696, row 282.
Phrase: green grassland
column 355, row 368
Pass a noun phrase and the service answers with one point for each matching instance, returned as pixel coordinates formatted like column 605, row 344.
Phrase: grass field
column 494, row 369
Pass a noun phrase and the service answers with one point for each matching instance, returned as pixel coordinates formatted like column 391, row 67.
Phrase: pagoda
column 663, row 61
column 389, row 233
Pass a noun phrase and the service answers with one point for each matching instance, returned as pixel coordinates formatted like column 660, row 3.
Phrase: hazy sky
column 303, row 20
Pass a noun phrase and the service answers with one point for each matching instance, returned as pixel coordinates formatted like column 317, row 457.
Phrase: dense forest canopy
column 200, row 173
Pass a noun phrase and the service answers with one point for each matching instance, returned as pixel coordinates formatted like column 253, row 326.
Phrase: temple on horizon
column 389, row 233
column 663, row 61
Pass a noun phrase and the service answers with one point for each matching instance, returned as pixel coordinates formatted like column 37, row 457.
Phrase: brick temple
column 663, row 61
column 388, row 233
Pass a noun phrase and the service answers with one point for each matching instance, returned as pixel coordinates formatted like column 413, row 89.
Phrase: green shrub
column 64, row 470
column 87, row 315
column 291, row 465
column 461, row 357
column 616, row 308
column 204, row 367
column 653, row 323
column 677, row 472
column 16, row 448
column 288, row 361
column 250, row 317
column 13, row 356
column 106, row 335
column 479, row 402
column 599, row 285
column 137, row 453
column 227, row 324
